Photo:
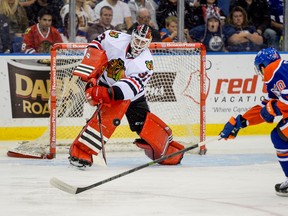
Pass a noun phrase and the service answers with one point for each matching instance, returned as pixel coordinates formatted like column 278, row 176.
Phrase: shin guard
column 157, row 141
column 89, row 140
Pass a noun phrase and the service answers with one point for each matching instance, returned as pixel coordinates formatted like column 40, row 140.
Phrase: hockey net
column 176, row 93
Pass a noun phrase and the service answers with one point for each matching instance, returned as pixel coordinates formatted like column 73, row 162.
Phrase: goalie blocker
column 89, row 68
column 156, row 137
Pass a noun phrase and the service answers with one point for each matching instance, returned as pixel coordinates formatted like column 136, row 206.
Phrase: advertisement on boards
column 29, row 90
column 234, row 86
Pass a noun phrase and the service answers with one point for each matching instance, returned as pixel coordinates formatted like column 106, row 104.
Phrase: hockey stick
column 100, row 159
column 76, row 190
column 101, row 134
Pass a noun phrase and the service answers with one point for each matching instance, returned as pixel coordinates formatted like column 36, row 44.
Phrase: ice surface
column 234, row 178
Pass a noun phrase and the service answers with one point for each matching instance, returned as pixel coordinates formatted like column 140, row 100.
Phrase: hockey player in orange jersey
column 274, row 71
column 117, row 67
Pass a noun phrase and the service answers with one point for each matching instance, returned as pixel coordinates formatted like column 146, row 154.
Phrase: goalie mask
column 141, row 39
column 264, row 58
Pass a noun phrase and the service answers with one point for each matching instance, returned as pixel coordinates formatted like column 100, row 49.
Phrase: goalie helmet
column 264, row 58
column 141, row 39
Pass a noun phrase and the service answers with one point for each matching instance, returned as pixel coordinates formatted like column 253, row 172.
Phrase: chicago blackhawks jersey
column 137, row 71
column 35, row 42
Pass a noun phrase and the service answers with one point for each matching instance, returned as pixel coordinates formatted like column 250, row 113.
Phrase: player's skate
column 282, row 188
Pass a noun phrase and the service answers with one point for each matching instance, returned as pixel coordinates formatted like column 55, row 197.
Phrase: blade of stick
column 99, row 160
column 76, row 190
column 63, row 186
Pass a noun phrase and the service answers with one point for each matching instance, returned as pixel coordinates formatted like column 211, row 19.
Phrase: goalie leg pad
column 79, row 157
column 157, row 135
column 93, row 64
column 89, row 140
column 149, row 151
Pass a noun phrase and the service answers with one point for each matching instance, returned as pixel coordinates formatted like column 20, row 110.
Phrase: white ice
column 234, row 178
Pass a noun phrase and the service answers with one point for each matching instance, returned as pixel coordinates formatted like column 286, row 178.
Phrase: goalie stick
column 101, row 134
column 76, row 190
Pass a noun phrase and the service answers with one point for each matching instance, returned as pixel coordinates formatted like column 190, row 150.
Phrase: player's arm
column 97, row 94
column 266, row 112
column 282, row 103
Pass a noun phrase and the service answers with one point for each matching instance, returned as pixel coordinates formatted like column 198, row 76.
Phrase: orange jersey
column 35, row 42
column 276, row 80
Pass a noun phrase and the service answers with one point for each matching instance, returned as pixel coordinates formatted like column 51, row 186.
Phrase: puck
column 116, row 121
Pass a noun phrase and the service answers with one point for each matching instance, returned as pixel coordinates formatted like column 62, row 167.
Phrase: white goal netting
column 175, row 93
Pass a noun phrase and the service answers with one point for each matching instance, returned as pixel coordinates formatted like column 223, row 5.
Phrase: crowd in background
column 32, row 26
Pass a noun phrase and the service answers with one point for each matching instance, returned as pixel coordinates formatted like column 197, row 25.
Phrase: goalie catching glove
column 98, row 94
column 270, row 110
column 233, row 126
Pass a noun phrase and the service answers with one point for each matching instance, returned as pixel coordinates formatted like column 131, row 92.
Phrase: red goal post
column 176, row 93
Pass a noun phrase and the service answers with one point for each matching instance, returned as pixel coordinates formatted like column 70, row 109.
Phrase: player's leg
column 156, row 136
column 89, row 141
column 280, row 142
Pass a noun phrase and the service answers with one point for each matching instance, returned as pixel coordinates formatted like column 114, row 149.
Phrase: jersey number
column 280, row 85
column 144, row 76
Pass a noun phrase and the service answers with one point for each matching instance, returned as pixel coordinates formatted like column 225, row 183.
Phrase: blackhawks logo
column 149, row 64
column 114, row 34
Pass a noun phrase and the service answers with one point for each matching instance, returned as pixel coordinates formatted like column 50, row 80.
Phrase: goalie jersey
column 130, row 82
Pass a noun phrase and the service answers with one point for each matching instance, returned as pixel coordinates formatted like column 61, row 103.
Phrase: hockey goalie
column 117, row 67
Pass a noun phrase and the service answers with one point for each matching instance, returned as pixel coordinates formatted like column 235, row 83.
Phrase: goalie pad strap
column 157, row 135
column 93, row 64
column 89, row 139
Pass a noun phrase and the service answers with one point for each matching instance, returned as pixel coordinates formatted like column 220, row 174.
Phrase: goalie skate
column 79, row 162
column 282, row 188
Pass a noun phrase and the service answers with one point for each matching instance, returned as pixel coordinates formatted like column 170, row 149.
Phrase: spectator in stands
column 40, row 37
column 206, row 4
column 169, row 34
column 4, row 37
column 169, row 8
column 225, row 6
column 246, row 38
column 196, row 13
column 17, row 19
column 135, row 5
column 276, row 8
column 26, row 3
column 212, row 34
column 259, row 16
column 92, row 3
column 80, row 37
column 84, row 13
column 144, row 17
column 18, row 22
column 104, row 23
column 122, row 19
column 54, row 5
